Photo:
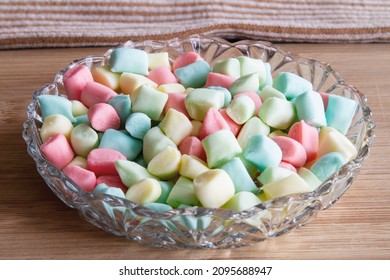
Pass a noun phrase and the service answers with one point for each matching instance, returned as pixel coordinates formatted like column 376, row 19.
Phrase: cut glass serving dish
column 198, row 227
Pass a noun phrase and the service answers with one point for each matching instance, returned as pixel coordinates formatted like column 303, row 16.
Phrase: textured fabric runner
column 71, row 23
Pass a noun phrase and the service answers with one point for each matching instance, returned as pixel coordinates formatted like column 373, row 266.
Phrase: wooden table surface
column 35, row 224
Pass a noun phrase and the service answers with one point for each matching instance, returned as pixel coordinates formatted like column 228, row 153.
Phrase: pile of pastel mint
column 184, row 133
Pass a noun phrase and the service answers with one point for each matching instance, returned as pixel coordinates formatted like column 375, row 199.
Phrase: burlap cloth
column 74, row 23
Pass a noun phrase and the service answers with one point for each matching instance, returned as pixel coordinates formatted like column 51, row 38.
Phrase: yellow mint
column 54, row 124
column 332, row 140
column 169, row 88
column 158, row 59
column 213, row 188
column 188, row 90
column 79, row 161
column 291, row 184
column 83, row 139
column 145, row 191
column 277, row 132
column 129, row 82
column 78, row 108
column 195, row 127
column 103, row 75
column 191, row 166
column 176, row 126
column 166, row 163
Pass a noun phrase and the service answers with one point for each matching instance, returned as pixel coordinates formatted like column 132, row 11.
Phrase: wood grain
column 35, row 224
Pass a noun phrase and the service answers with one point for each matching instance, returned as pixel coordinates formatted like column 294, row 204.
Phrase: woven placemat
column 75, row 23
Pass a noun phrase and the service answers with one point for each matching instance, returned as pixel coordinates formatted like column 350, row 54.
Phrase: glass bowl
column 199, row 227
